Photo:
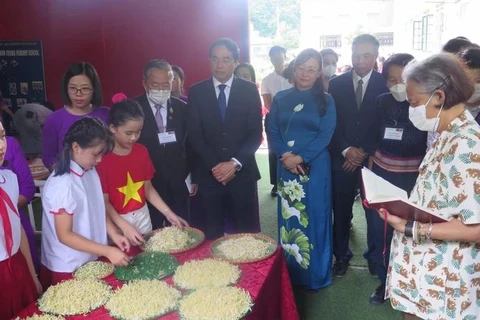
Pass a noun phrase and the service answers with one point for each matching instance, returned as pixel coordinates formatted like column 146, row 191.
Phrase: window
column 331, row 41
column 417, row 35
column 384, row 38
column 423, row 34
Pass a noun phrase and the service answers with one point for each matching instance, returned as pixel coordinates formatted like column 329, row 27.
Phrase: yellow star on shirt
column 130, row 190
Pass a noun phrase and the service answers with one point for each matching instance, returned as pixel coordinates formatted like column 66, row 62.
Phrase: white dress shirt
column 163, row 111
column 228, row 84
column 365, row 80
column 9, row 183
column 274, row 83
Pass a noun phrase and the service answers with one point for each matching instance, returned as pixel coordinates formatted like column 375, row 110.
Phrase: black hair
column 88, row 132
column 249, row 67
column 456, row 45
column 123, row 111
column 398, row 59
column 329, row 52
column 229, row 44
column 366, row 38
column 180, row 72
column 276, row 50
column 288, row 72
column 86, row 69
column 318, row 87
column 471, row 56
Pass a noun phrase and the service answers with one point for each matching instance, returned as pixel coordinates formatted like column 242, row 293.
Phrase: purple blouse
column 55, row 128
column 16, row 162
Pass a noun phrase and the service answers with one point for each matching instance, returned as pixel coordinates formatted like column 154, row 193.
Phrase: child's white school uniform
column 8, row 182
column 79, row 193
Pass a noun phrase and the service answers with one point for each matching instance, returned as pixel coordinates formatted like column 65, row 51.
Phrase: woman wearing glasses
column 300, row 126
column 82, row 95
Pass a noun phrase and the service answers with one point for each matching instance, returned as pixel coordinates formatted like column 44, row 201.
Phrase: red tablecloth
column 267, row 281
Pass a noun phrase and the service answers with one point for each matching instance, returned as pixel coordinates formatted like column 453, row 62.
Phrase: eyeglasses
column 83, row 91
column 302, row 70
column 216, row 60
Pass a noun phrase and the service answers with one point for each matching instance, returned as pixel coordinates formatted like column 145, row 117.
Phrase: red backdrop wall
column 120, row 36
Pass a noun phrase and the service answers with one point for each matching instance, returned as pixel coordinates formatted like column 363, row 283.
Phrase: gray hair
column 157, row 64
column 443, row 72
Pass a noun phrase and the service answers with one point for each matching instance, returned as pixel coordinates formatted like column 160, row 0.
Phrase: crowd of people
column 163, row 158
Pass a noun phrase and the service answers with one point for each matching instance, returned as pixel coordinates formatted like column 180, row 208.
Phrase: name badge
column 167, row 137
column 393, row 134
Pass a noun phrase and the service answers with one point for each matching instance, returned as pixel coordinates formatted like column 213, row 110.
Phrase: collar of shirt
column 216, row 83
column 163, row 110
column 365, row 79
column 152, row 105
column 76, row 169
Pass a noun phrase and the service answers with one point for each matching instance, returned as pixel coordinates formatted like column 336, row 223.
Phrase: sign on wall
column 22, row 79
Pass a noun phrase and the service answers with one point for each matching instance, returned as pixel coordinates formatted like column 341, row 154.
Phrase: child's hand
column 132, row 234
column 117, row 257
column 121, row 242
column 176, row 220
column 38, row 285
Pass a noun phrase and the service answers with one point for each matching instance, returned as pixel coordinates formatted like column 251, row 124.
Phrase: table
column 267, row 281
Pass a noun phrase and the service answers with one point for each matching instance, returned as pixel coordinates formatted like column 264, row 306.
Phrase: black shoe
column 340, row 268
column 378, row 297
column 371, row 267
column 274, row 193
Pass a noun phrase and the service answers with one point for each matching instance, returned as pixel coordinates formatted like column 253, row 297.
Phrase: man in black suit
column 165, row 136
column 355, row 93
column 225, row 130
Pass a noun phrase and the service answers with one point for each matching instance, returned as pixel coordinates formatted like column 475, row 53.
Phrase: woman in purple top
column 177, row 85
column 82, row 95
column 16, row 162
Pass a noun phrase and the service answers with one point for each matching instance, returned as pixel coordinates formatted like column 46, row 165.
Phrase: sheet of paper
column 188, row 182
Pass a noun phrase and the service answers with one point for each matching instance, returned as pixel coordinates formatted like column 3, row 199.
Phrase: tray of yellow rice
column 244, row 248
column 143, row 300
column 222, row 303
column 74, row 297
column 147, row 266
column 94, row 270
column 196, row 274
column 173, row 239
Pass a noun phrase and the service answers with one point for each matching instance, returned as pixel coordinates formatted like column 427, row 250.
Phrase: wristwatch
column 237, row 166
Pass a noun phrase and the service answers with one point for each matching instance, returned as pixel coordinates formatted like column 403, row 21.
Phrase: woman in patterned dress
column 434, row 270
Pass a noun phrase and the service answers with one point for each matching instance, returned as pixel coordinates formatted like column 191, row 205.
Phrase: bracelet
column 415, row 231
column 421, row 233
column 428, row 235
column 409, row 229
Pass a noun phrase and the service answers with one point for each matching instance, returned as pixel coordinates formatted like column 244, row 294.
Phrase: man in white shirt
column 271, row 85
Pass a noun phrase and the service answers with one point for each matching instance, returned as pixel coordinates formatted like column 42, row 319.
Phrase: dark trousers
column 405, row 181
column 178, row 202
column 344, row 187
column 236, row 199
column 272, row 164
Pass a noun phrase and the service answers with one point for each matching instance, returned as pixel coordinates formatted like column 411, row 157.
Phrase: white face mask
column 418, row 116
column 476, row 94
column 399, row 92
column 158, row 97
column 330, row 70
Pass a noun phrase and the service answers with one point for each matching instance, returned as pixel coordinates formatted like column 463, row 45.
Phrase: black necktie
column 222, row 100
column 359, row 93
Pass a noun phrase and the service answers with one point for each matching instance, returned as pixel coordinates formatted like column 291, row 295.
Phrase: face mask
column 476, row 94
column 418, row 116
column 399, row 92
column 158, row 97
column 330, row 70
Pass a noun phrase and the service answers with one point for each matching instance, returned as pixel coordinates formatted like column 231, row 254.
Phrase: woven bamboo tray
column 193, row 233
column 271, row 250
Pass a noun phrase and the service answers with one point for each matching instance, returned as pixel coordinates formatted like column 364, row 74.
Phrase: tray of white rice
column 173, row 239
column 244, row 248
column 147, row 266
column 94, row 270
column 221, row 303
column 143, row 300
column 196, row 274
column 75, row 297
